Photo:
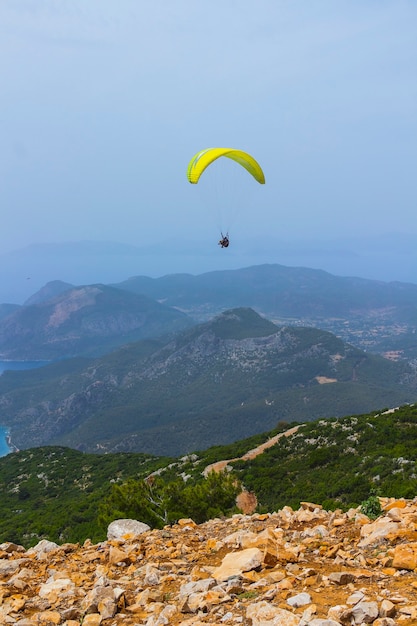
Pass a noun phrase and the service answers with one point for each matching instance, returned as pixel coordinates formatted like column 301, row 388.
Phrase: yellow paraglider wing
column 204, row 158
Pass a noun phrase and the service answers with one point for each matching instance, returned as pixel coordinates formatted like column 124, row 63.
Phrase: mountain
column 7, row 309
column 277, row 290
column 24, row 271
column 232, row 377
column 372, row 315
column 87, row 320
column 47, row 292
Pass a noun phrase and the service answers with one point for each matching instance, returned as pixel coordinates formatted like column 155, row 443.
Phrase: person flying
column 224, row 241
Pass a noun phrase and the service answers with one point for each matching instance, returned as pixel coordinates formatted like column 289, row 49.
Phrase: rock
column 341, row 578
column 268, row 570
column 387, row 609
column 43, row 549
column 376, row 532
column 53, row 589
column 100, row 596
column 265, row 614
column 365, row 612
column 235, row 563
column 94, row 619
column 405, row 556
column 118, row 556
column 8, row 567
column 126, row 528
column 301, row 599
column 355, row 598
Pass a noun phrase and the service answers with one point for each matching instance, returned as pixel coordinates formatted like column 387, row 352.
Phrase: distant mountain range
column 24, row 271
column 373, row 315
column 276, row 290
column 234, row 376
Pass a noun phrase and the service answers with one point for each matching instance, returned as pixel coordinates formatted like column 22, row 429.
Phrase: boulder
column 126, row 529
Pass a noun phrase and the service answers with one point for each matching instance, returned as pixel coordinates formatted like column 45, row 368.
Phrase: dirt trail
column 251, row 454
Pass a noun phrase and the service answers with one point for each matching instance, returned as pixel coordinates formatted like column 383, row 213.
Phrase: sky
column 103, row 104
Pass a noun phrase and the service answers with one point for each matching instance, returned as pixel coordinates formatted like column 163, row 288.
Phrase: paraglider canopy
column 204, row 158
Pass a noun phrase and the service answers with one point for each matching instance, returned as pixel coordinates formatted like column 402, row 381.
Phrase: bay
column 4, row 447
column 21, row 365
column 15, row 366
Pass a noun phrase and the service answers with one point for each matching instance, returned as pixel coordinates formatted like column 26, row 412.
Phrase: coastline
column 6, row 443
column 10, row 443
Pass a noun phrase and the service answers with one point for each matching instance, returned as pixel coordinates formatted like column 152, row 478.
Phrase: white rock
column 356, row 597
column 54, row 587
column 11, row 567
column 152, row 575
column 198, row 586
column 122, row 527
column 375, row 532
column 43, row 547
column 301, row 599
column 266, row 614
column 365, row 612
column 316, row 531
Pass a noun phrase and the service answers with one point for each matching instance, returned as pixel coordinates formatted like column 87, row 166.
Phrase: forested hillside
column 234, row 376
column 65, row 495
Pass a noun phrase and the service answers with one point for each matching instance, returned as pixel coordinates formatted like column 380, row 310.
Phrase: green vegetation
column 157, row 502
column 338, row 463
column 371, row 507
column 65, row 495
column 55, row 492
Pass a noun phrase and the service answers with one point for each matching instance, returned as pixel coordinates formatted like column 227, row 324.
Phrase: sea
column 14, row 365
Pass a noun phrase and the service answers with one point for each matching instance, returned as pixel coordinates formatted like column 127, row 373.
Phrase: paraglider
column 224, row 241
column 204, row 158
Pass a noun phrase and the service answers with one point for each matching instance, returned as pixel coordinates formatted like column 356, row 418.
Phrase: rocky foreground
column 290, row 568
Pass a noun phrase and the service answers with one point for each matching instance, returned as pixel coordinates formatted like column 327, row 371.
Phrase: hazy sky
column 103, row 103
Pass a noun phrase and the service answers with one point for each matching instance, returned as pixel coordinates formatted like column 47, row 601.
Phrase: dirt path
column 251, row 454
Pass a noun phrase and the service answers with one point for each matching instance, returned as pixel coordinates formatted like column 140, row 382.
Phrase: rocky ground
column 290, row 568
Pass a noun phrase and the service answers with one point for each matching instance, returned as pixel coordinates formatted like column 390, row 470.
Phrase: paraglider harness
column 224, row 241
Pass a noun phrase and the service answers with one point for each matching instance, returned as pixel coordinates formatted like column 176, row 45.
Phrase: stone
column 405, row 556
column 301, row 599
column 375, row 532
column 261, row 573
column 126, row 528
column 266, row 614
column 365, row 612
column 235, row 563
column 387, row 609
column 48, row 618
column 8, row 567
column 117, row 556
column 94, row 619
column 270, row 555
column 53, row 589
column 43, row 547
column 341, row 578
